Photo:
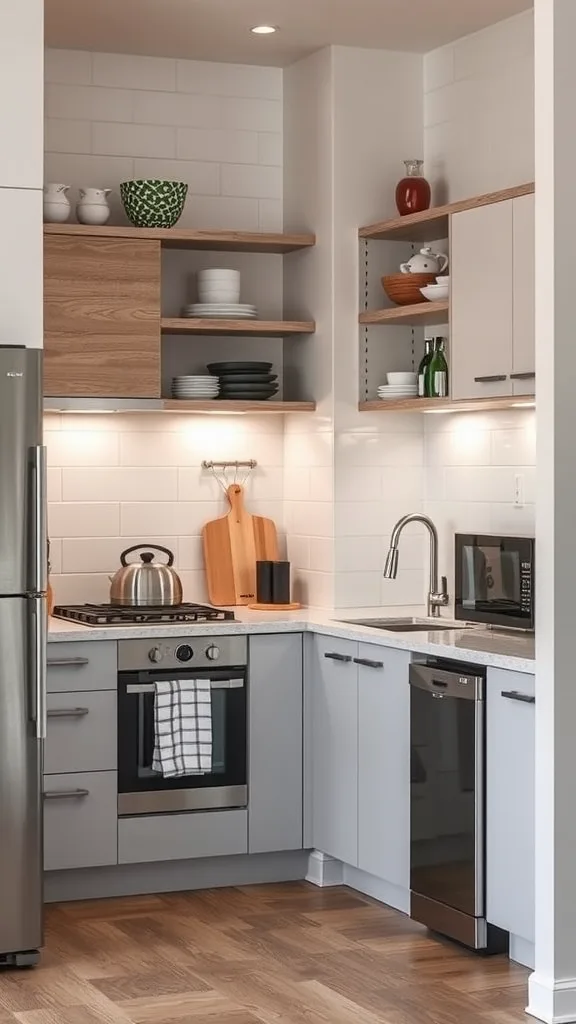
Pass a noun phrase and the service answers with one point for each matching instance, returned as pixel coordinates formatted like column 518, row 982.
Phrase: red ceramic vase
column 413, row 192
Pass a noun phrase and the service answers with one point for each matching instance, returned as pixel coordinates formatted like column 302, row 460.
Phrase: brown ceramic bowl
column 404, row 289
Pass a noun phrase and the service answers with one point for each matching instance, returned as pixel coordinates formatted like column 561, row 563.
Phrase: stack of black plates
column 246, row 381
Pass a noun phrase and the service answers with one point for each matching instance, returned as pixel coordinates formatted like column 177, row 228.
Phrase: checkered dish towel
column 182, row 727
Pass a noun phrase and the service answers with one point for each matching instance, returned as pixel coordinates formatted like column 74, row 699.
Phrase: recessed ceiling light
column 264, row 30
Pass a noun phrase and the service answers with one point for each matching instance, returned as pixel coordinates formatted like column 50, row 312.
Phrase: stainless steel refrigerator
column 23, row 582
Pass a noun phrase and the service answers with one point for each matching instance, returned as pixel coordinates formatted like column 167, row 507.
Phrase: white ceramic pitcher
column 56, row 203
column 93, row 207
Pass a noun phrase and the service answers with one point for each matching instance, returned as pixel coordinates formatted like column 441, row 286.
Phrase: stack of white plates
column 195, row 387
column 221, row 311
column 390, row 391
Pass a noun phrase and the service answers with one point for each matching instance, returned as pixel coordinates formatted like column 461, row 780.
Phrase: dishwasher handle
column 526, row 698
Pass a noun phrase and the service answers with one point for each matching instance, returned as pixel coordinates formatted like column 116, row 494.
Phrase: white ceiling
column 219, row 29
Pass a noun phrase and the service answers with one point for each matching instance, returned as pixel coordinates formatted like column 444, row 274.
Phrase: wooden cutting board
column 232, row 546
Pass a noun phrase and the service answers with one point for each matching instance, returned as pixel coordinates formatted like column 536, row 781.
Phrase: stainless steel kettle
column 146, row 583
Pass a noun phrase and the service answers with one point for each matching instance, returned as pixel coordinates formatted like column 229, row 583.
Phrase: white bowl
column 218, row 296
column 219, row 275
column 443, row 279
column 435, row 292
column 402, row 378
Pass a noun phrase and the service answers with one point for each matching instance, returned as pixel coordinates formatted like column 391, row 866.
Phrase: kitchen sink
column 407, row 625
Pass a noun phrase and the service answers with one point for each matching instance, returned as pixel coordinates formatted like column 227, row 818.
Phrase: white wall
column 119, row 480
column 111, row 117
column 479, row 111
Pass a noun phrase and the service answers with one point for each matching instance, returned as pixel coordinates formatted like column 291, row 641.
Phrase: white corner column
column 552, row 987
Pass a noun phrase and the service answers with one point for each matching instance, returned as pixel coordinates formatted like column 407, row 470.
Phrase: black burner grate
column 112, row 615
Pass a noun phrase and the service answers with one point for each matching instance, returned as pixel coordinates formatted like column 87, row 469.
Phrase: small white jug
column 93, row 206
column 56, row 203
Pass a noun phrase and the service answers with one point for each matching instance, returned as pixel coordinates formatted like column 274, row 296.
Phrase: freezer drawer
column 81, row 733
column 82, row 666
column 80, row 820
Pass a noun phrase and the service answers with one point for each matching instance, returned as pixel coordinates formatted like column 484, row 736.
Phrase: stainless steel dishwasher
column 447, row 802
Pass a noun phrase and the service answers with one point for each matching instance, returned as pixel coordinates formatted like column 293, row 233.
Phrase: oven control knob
column 213, row 653
column 155, row 654
column 184, row 652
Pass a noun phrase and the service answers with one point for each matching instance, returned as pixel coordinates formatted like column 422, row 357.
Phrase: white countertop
column 478, row 646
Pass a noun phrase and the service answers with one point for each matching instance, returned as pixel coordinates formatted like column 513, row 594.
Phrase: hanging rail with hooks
column 232, row 464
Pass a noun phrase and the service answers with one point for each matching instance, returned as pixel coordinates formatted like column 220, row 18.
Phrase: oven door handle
column 215, row 684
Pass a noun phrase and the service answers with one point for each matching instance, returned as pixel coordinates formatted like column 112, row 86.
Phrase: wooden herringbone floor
column 267, row 954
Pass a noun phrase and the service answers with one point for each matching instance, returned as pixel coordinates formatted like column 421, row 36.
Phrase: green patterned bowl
column 152, row 203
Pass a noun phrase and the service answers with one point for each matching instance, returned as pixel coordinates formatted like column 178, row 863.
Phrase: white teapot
column 426, row 262
column 56, row 203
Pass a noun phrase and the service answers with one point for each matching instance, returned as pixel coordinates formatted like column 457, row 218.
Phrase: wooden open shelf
column 432, row 224
column 420, row 314
column 254, row 328
column 189, row 238
column 447, row 404
column 226, row 405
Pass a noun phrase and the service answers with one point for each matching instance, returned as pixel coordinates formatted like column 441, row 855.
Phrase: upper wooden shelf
column 447, row 404
column 418, row 315
column 433, row 224
column 189, row 238
column 229, row 405
column 254, row 328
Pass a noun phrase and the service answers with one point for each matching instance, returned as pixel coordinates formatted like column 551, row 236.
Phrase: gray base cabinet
column 81, row 732
column 162, row 837
column 510, row 740
column 334, row 748
column 80, row 820
column 384, row 764
column 86, row 665
column 275, row 743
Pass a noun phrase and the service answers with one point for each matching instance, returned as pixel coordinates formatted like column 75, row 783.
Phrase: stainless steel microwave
column 495, row 580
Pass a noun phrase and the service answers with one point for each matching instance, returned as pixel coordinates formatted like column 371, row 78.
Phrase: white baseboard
column 324, row 870
column 552, row 1001
column 522, row 951
column 385, row 892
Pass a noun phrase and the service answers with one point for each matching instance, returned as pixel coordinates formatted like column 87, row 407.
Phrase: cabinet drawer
column 81, row 734
column 80, row 820
column 82, row 666
column 182, row 836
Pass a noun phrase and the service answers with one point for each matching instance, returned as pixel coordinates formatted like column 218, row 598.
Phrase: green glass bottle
column 436, row 376
column 429, row 348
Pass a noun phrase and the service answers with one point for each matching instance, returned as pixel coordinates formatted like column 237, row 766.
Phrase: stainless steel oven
column 141, row 663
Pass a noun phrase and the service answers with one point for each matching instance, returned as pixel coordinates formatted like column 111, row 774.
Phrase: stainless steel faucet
column 436, row 598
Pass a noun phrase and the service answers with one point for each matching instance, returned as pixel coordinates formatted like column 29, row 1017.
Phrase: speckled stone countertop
column 476, row 645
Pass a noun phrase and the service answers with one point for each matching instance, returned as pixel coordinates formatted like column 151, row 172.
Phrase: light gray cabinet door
column 384, row 764
column 275, row 743
column 81, row 733
column 334, row 704
column 510, row 739
column 161, row 837
column 481, row 302
column 86, row 665
column 80, row 820
column 524, row 296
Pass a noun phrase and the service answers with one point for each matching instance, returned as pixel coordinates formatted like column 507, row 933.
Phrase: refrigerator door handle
column 40, row 629
column 39, row 537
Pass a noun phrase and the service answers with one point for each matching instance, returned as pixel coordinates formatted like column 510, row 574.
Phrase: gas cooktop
column 113, row 615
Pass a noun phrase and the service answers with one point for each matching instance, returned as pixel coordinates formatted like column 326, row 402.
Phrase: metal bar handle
column 68, row 712
column 490, row 378
column 67, row 662
column 39, row 576
column 40, row 635
column 333, row 656
column 215, row 684
column 368, row 663
column 526, row 698
column 523, row 376
column 66, row 794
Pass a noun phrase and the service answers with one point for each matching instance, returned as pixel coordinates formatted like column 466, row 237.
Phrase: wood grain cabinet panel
column 102, row 317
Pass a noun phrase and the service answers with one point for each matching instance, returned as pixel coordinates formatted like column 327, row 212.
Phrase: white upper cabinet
column 524, row 294
column 22, row 94
column 21, row 311
column 481, row 301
